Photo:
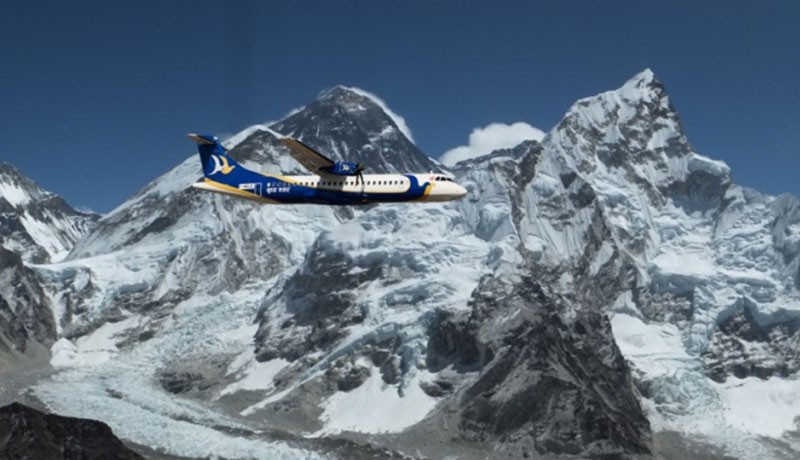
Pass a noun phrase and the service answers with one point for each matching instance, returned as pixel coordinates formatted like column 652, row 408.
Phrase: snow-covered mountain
column 36, row 224
column 36, row 227
column 358, row 127
column 26, row 316
column 606, row 291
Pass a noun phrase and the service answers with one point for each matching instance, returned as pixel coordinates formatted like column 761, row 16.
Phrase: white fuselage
column 442, row 188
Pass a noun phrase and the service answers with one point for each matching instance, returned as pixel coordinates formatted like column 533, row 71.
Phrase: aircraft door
column 254, row 187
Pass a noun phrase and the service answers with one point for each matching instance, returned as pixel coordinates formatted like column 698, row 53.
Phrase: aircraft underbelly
column 287, row 191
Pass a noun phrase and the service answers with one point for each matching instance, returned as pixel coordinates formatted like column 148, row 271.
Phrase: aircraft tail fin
column 215, row 161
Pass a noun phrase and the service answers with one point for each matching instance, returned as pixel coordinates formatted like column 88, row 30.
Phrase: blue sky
column 97, row 96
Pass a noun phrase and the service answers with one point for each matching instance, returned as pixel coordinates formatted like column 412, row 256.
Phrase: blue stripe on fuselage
column 277, row 189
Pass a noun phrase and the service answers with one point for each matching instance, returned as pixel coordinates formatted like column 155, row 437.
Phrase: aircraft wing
column 306, row 156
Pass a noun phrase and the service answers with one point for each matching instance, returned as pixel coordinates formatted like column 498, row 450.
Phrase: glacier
column 598, row 290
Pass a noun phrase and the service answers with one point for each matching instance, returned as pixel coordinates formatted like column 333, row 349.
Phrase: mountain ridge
column 37, row 224
column 609, row 267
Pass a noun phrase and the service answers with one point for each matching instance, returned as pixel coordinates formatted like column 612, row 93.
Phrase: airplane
column 331, row 182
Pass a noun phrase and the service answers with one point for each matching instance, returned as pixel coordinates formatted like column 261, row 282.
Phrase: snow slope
column 608, row 270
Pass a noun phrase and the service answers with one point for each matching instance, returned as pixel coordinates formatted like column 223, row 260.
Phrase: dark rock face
column 561, row 386
column 24, row 309
column 453, row 342
column 27, row 433
column 700, row 191
column 321, row 300
column 747, row 344
column 347, row 375
column 192, row 373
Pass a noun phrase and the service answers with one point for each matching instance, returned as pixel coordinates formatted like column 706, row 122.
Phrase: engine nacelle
column 344, row 168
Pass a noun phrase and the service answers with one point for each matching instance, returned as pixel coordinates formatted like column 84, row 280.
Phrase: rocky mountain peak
column 347, row 123
column 342, row 94
column 37, row 224
column 357, row 101
column 632, row 136
column 7, row 168
column 642, row 102
column 15, row 188
column 645, row 82
column 354, row 107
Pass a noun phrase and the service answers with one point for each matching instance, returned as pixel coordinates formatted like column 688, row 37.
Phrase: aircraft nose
column 460, row 191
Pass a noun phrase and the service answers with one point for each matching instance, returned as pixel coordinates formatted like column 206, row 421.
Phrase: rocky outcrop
column 544, row 382
column 25, row 313
column 28, row 433
column 747, row 343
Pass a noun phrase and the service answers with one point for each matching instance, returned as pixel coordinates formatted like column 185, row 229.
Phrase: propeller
column 359, row 173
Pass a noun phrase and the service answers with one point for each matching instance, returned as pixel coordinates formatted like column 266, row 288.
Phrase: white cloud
column 494, row 136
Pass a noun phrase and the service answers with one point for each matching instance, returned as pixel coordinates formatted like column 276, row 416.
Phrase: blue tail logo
column 221, row 165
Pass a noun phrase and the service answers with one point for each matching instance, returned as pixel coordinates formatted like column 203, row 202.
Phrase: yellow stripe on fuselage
column 283, row 178
column 426, row 192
